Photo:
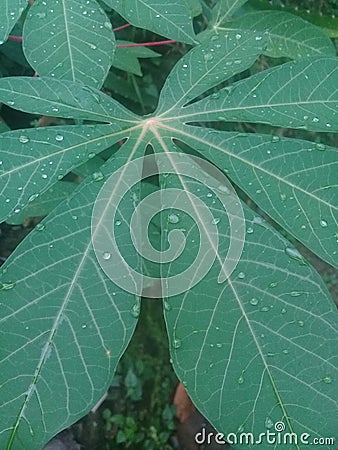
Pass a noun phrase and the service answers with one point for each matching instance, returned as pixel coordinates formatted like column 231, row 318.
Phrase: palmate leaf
column 10, row 12
column 267, row 332
column 57, row 98
column 73, row 325
column 258, row 348
column 288, row 35
column 74, row 40
column 168, row 18
column 35, row 159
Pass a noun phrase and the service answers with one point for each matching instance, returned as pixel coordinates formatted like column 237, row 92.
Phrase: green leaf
column 258, row 348
column 75, row 40
column 64, row 324
column 300, row 94
column 195, row 7
column 50, row 97
column 44, row 203
column 10, row 12
column 169, row 19
column 24, row 175
column 293, row 181
column 126, row 58
column 224, row 10
column 207, row 65
column 288, row 35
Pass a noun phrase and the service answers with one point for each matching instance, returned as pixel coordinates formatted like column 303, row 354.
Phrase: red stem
column 15, row 38
column 146, row 44
column 122, row 27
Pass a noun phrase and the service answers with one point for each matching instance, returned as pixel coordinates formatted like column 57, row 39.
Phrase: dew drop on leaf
column 250, row 230
column 177, row 343
column 241, row 275
column 216, row 220
column 98, row 176
column 241, row 379
column 293, row 253
column 268, row 423
column 135, row 310
column 24, row 139
column 254, row 301
column 327, row 380
column 106, row 256
column 59, row 137
column 167, row 306
column 323, row 223
column 265, row 309
column 320, row 147
column 40, row 227
column 7, row 286
column 173, row 218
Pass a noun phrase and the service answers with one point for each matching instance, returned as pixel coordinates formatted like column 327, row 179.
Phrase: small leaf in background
column 171, row 19
column 224, row 10
column 10, row 12
column 288, row 35
column 69, row 40
column 126, row 58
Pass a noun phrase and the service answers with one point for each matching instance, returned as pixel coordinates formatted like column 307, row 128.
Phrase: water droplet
column 241, row 275
column 300, row 323
column 55, row 109
column 173, row 218
column 293, row 253
column 259, row 38
column 118, row 223
column 98, row 176
column 250, row 230
column 286, row 352
column 92, row 46
column 177, row 343
column 59, row 137
column 91, row 155
column 283, row 197
column 240, row 379
column 265, row 309
column 7, row 286
column 209, row 194
column 238, row 36
column 323, row 223
column 268, row 423
column 185, row 383
column 219, row 345
column 273, row 284
column 10, row 103
column 295, row 294
column 320, row 147
column 283, row 311
column 208, row 57
column 254, row 301
column 315, row 119
column 24, row 139
column 135, row 310
column 327, row 380
column 33, row 197
column 106, row 256
column 40, row 227
column 83, row 326
column 44, row 176
column 108, row 25
column 216, row 220
column 167, row 306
